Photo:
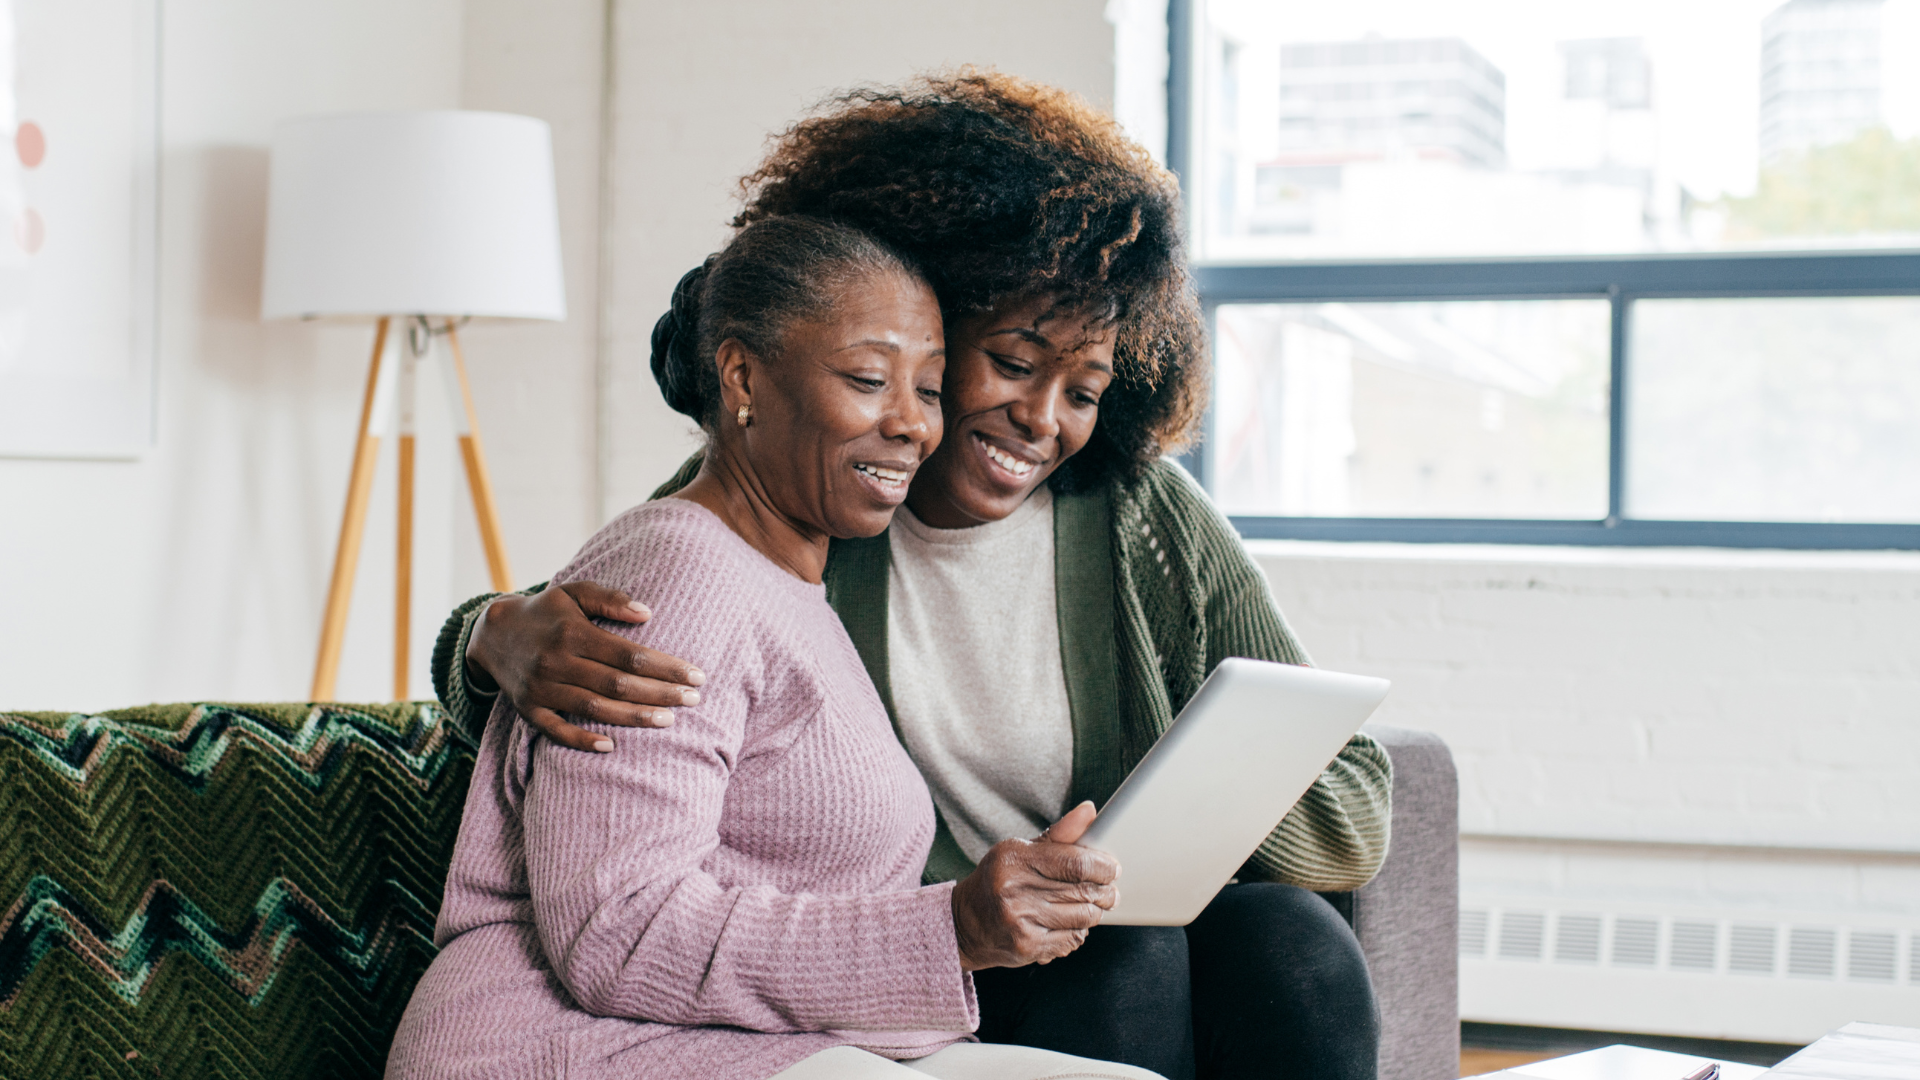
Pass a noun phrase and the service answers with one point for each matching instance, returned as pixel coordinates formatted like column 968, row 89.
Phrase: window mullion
column 1180, row 25
column 1617, row 407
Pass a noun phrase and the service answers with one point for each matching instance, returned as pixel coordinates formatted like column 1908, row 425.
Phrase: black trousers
column 1268, row 982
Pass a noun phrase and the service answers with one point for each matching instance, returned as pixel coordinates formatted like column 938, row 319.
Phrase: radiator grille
column 1577, row 940
column 1750, row 949
column 1635, row 942
column 1473, row 933
column 1522, row 934
column 1810, row 952
column 1870, row 955
column 1694, row 946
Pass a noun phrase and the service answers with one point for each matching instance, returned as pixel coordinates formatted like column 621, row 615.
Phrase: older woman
column 741, row 894
column 1053, row 593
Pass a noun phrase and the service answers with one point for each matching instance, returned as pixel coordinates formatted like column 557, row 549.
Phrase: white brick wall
column 1765, row 698
column 1704, row 734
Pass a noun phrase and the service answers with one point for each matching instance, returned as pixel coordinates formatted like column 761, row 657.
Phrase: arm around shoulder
column 467, row 693
column 466, row 698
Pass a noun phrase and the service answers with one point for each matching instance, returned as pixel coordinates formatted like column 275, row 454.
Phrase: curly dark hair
column 1002, row 189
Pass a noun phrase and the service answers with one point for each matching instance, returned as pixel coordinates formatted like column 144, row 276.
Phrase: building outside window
column 1626, row 273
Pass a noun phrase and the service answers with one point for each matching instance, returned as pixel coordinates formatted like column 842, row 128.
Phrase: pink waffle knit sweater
column 718, row 899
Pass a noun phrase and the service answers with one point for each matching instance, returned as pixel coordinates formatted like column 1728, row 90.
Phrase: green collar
column 1083, row 597
column 856, row 582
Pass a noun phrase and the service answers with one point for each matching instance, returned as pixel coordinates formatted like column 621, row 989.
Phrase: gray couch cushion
column 1408, row 917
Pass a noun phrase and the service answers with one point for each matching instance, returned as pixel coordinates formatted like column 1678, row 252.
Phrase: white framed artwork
column 79, row 109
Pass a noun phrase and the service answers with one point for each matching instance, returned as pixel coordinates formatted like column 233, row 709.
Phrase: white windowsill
column 1907, row 562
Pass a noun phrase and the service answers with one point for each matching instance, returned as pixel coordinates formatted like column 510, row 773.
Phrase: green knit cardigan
column 1153, row 589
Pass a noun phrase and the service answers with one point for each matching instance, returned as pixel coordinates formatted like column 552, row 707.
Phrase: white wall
column 534, row 384
column 699, row 88
column 1674, row 696
column 1705, row 737
column 199, row 570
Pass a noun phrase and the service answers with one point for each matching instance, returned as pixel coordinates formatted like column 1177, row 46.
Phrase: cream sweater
column 979, row 692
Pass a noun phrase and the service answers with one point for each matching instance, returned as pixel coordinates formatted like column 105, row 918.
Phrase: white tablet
column 1236, row 759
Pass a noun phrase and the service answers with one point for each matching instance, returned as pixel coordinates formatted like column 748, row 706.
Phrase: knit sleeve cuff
column 915, row 985
column 1335, row 838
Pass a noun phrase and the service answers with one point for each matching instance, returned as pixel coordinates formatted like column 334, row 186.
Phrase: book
column 1856, row 1052
column 1622, row 1062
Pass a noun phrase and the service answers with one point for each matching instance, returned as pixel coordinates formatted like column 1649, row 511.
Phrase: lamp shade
column 413, row 213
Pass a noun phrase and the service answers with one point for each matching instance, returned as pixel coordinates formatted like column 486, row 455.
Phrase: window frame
column 1620, row 280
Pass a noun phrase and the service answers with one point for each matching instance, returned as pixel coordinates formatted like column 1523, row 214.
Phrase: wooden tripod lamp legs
column 375, row 411
column 477, row 480
column 346, row 555
column 403, row 541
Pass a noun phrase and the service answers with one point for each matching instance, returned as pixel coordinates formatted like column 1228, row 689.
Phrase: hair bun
column 770, row 274
column 676, row 344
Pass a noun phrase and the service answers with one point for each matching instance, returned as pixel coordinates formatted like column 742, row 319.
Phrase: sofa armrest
column 1408, row 917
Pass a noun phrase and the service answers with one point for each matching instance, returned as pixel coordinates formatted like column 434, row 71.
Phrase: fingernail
column 689, row 697
column 639, row 607
column 695, row 677
column 603, row 745
column 663, row 718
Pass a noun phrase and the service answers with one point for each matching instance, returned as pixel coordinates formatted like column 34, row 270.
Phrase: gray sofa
column 1408, row 917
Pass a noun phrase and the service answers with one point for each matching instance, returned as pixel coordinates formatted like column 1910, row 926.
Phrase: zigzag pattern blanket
column 220, row 890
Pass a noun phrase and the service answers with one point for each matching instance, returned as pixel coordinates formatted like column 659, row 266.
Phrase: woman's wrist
column 962, row 928
column 480, row 681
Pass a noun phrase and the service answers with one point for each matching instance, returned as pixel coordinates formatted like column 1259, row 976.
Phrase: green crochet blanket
column 214, row 890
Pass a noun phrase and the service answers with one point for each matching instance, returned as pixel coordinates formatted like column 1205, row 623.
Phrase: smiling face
column 1022, row 395
column 846, row 413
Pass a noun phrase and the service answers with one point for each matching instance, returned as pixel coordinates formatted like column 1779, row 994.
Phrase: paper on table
column 1856, row 1052
column 1629, row 1063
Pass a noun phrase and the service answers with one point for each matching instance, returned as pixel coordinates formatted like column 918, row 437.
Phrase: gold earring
column 745, row 415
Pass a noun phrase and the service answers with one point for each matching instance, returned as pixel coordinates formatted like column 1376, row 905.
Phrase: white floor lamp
column 426, row 219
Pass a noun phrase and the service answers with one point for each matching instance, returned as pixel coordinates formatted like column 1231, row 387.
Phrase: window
column 1637, row 273
column 1452, row 408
